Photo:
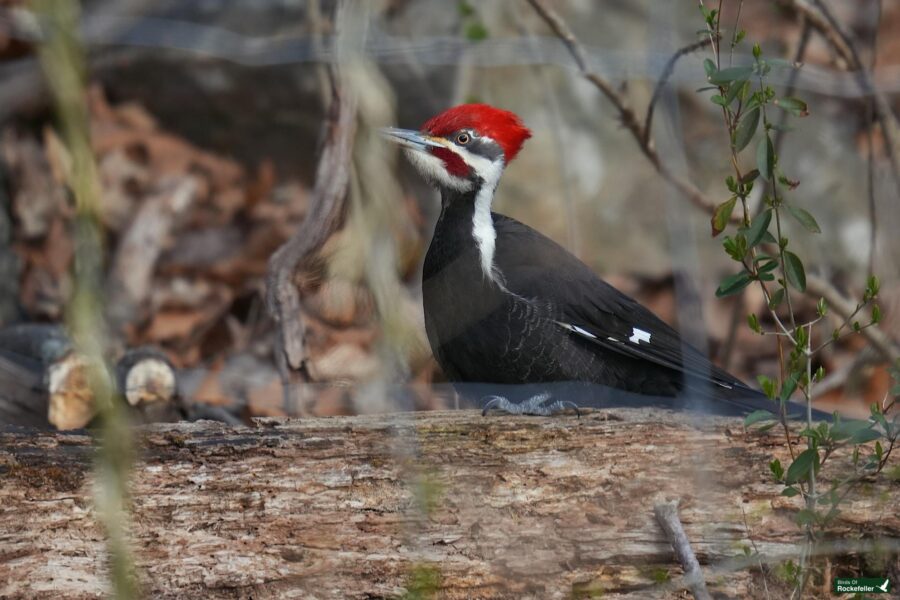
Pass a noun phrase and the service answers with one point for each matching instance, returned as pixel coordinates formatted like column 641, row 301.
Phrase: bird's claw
column 536, row 405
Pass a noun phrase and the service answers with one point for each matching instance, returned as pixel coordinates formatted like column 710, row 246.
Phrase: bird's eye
column 463, row 139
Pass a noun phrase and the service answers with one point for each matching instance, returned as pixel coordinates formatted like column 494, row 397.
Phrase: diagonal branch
column 664, row 79
column 881, row 341
column 627, row 115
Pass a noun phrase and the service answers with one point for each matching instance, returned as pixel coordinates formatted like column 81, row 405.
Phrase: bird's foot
column 538, row 405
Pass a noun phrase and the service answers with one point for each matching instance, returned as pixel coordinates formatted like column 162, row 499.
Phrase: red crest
column 502, row 126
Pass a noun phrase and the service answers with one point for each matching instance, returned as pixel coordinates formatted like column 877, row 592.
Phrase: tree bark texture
column 441, row 504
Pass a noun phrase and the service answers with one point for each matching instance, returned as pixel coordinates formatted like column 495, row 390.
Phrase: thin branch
column 870, row 148
column 667, row 516
column 626, row 113
column 663, row 80
column 886, row 346
column 327, row 209
column 825, row 23
column 734, row 32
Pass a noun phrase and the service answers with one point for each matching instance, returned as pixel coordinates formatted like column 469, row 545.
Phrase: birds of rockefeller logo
column 862, row 585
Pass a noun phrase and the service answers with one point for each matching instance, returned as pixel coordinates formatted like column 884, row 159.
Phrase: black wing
column 538, row 268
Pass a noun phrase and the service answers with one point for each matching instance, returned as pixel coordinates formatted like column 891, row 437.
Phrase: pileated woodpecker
column 507, row 305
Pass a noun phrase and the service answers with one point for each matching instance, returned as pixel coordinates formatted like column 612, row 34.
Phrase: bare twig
column 626, row 113
column 667, row 516
column 799, row 56
column 870, row 149
column 825, row 23
column 881, row 341
column 663, row 80
column 327, row 209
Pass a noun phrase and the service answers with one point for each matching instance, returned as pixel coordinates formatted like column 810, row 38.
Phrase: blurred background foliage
column 206, row 120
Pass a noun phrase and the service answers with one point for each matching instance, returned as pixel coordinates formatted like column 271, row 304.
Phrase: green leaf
column 710, row 67
column 788, row 387
column 736, row 246
column 803, row 465
column 794, row 106
column 765, row 157
column 806, row 517
column 783, row 63
column 734, row 88
column 873, row 285
column 806, row 219
column 844, row 430
column 865, row 435
column 776, row 468
column 746, row 129
column 753, row 323
column 758, row 228
column 790, row 492
column 793, row 269
column 767, row 385
column 777, row 298
column 717, row 99
column 820, row 373
column 476, row 32
column 810, row 433
column 721, row 216
column 758, row 416
column 770, row 265
column 733, row 284
column 750, row 177
column 876, row 313
column 730, row 74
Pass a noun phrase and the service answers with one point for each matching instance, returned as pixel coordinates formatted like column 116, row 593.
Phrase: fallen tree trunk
column 377, row 506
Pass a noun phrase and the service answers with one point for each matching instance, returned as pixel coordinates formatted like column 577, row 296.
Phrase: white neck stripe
column 489, row 171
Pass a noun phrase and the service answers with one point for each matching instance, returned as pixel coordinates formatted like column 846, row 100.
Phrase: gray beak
column 409, row 138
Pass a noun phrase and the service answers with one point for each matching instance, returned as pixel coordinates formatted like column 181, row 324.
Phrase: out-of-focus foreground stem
column 62, row 58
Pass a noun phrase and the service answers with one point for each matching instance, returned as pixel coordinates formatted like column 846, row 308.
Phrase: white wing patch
column 578, row 330
column 583, row 332
column 639, row 335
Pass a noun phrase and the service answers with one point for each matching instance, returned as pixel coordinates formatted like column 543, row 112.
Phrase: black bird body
column 506, row 305
column 517, row 327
